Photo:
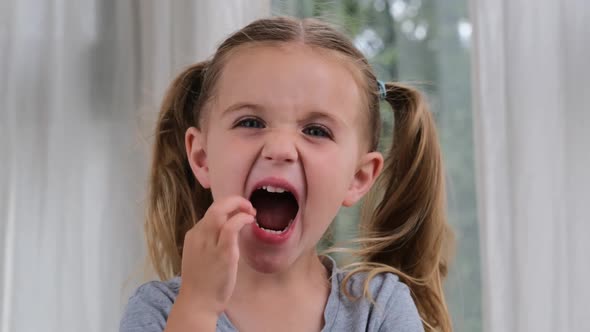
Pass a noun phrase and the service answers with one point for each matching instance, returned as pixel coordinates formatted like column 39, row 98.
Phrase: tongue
column 274, row 212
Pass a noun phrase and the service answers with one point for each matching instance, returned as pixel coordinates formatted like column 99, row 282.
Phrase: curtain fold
column 532, row 131
column 79, row 91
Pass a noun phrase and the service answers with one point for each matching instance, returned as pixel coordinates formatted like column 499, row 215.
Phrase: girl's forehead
column 290, row 75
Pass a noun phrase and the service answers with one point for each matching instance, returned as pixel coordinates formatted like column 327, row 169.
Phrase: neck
column 301, row 290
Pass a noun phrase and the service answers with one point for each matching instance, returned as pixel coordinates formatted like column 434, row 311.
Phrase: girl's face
column 285, row 118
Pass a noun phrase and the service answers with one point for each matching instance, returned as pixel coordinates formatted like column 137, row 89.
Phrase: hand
column 211, row 253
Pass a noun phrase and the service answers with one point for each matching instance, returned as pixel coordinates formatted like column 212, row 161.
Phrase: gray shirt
column 394, row 309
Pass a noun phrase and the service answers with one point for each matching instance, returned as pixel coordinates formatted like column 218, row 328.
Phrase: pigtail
column 403, row 219
column 175, row 199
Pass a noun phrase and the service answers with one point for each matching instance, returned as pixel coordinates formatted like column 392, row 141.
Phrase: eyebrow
column 309, row 116
column 320, row 115
column 239, row 105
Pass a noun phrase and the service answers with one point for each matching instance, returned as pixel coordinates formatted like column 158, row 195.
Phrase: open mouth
column 276, row 208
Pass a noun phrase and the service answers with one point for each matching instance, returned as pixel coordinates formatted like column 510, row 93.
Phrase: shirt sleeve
column 147, row 309
column 401, row 314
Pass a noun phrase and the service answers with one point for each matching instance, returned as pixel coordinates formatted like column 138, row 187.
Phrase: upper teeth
column 272, row 189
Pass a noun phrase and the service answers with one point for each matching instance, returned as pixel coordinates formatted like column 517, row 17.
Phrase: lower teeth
column 273, row 231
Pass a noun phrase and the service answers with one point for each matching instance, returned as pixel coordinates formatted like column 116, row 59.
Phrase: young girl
column 256, row 150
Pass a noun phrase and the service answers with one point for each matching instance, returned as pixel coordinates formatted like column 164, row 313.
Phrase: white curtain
column 80, row 83
column 532, row 128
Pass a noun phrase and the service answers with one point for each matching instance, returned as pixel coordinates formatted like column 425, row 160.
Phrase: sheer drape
column 79, row 89
column 532, row 99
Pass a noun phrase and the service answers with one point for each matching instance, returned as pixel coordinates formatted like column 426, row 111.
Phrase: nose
column 279, row 146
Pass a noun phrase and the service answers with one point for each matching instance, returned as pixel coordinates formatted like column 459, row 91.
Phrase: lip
column 275, row 239
column 271, row 238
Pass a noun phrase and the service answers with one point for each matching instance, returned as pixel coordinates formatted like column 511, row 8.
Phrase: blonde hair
column 403, row 222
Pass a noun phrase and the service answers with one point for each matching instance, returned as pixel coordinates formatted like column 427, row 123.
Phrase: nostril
column 279, row 153
column 280, row 158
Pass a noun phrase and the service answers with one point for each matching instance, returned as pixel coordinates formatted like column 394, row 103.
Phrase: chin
column 268, row 263
column 268, row 255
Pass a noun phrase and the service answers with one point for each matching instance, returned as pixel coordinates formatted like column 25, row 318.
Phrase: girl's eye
column 250, row 123
column 317, row 131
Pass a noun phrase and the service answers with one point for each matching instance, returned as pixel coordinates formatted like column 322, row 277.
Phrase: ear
column 369, row 168
column 197, row 157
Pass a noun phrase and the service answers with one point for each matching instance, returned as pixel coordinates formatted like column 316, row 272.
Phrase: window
column 425, row 43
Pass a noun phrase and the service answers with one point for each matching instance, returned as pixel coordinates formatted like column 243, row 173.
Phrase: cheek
column 229, row 162
column 329, row 176
column 335, row 165
column 333, row 169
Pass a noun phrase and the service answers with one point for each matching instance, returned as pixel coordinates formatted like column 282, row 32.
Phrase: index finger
column 229, row 206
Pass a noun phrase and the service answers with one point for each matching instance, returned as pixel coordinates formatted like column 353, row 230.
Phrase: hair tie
column 382, row 90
